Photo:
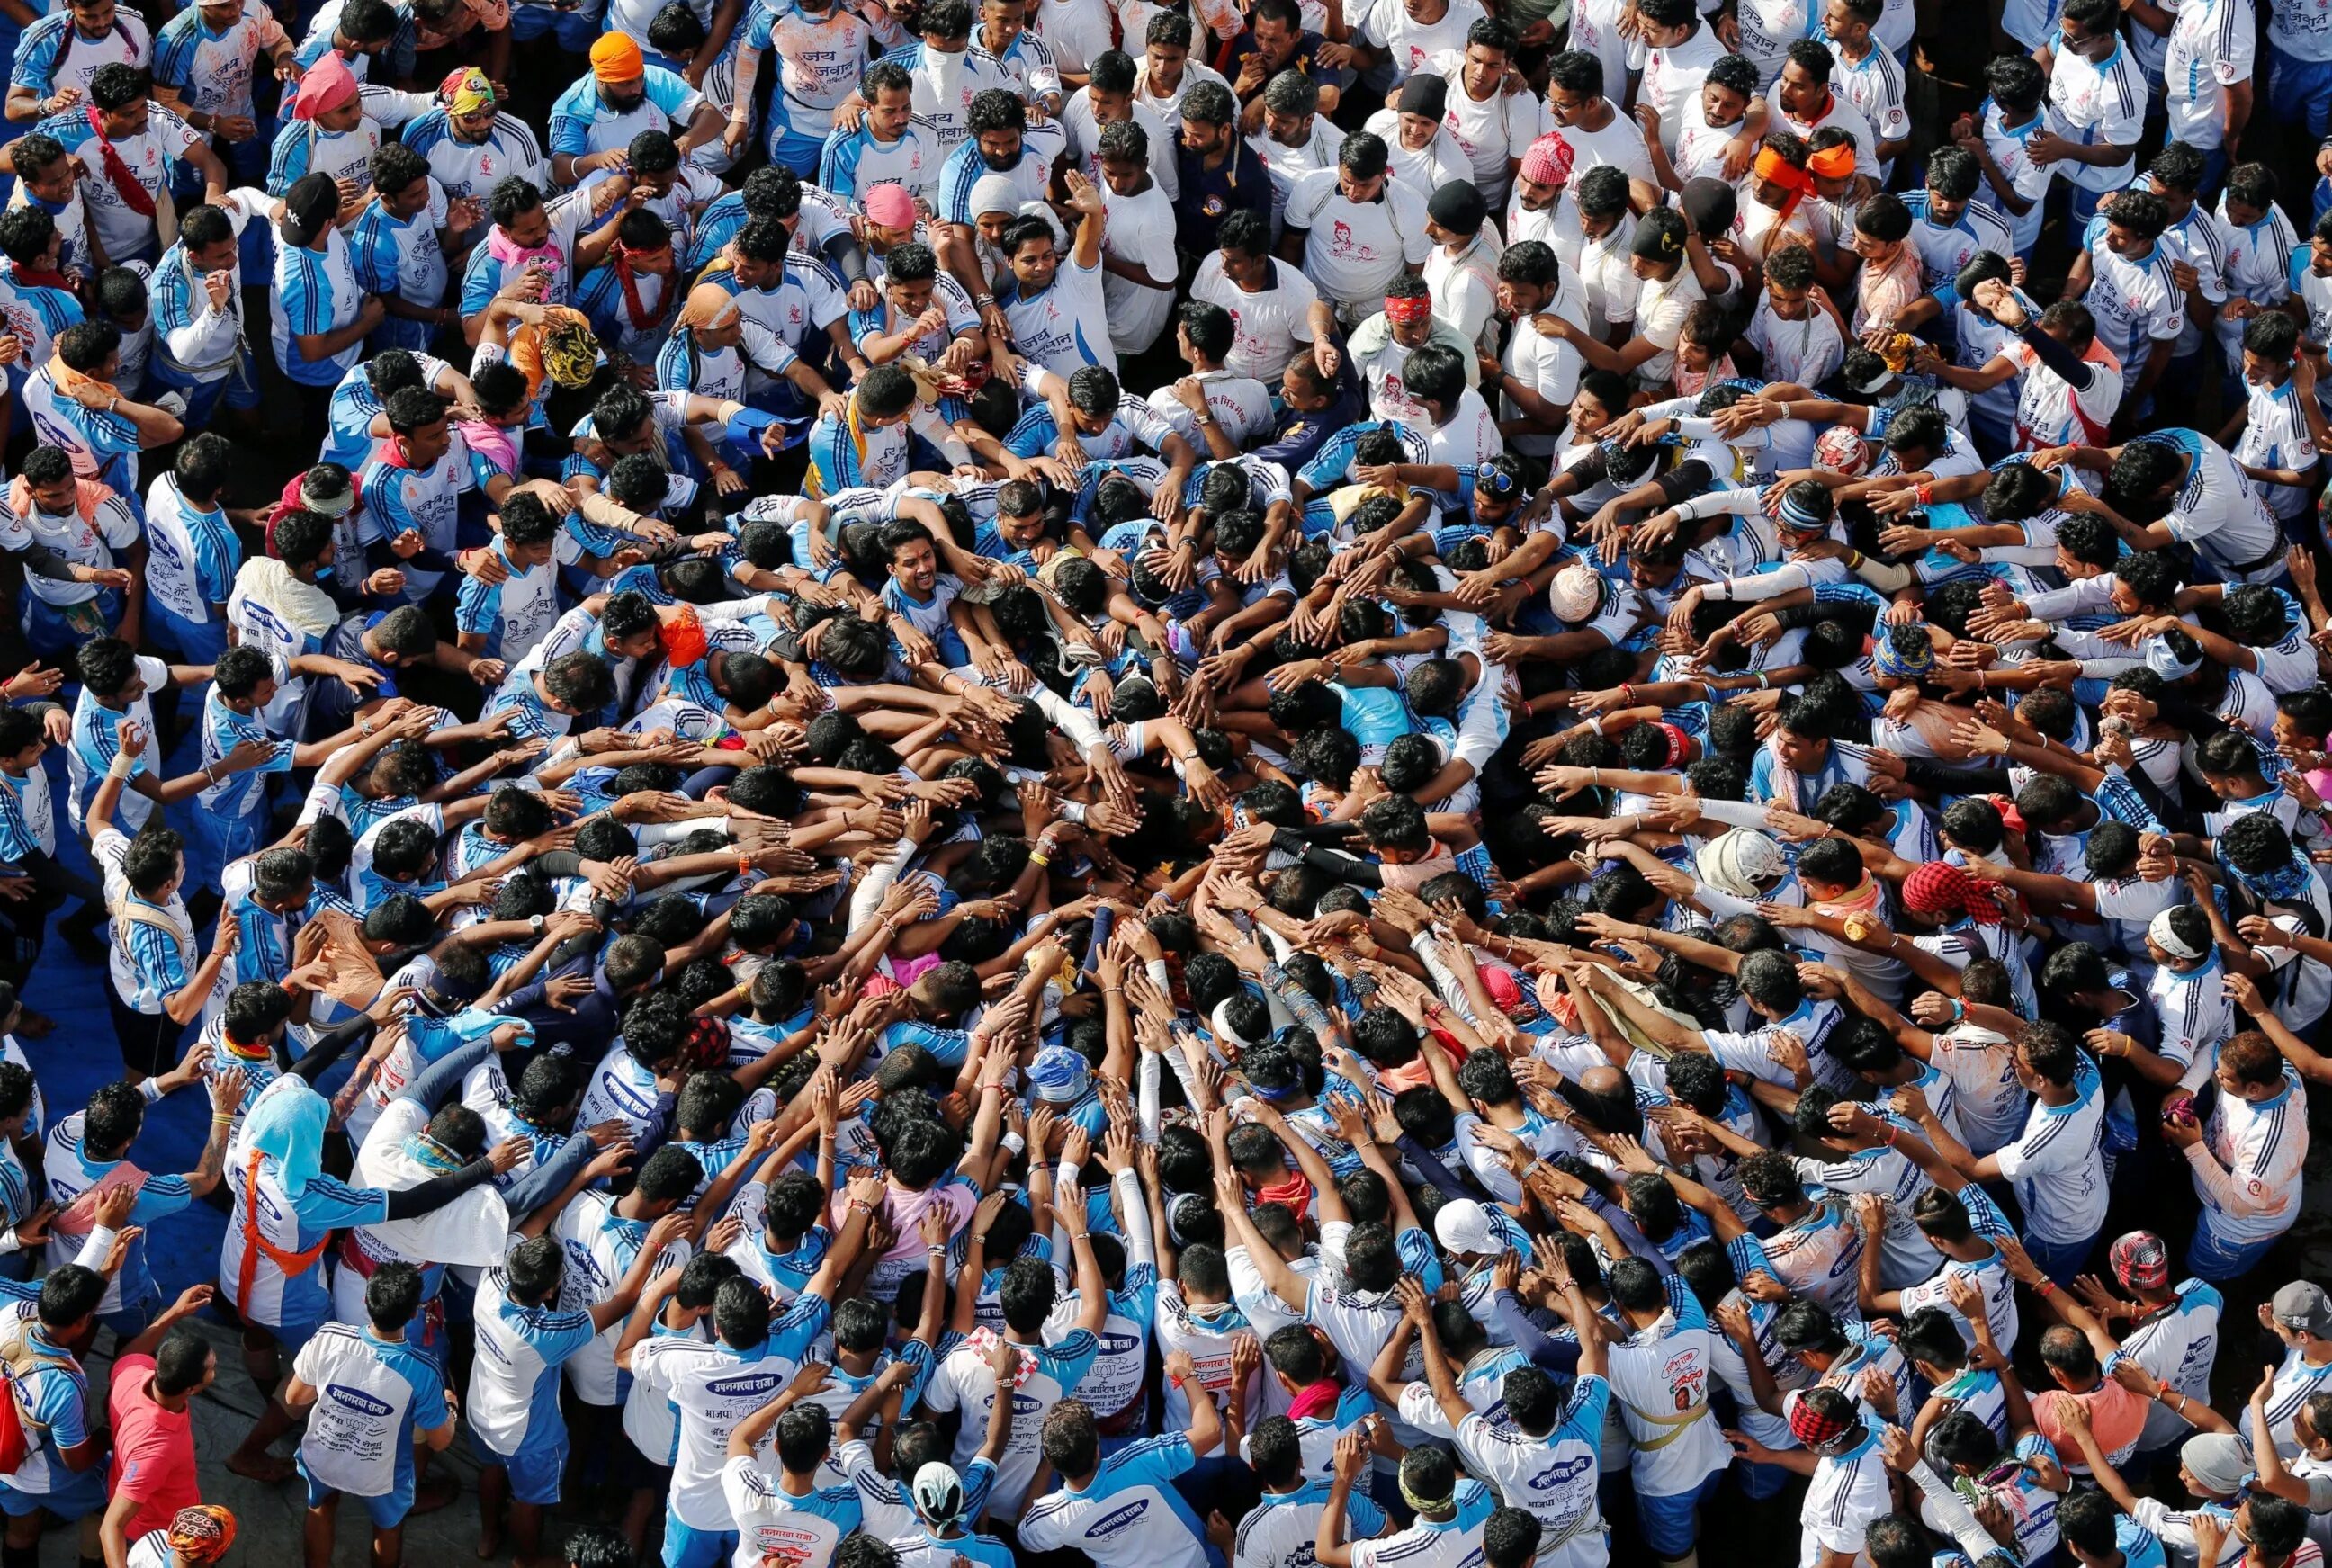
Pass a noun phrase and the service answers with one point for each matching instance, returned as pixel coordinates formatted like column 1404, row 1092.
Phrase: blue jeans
column 132, row 1318
column 238, row 389
column 1994, row 435
column 193, row 643
column 2060, row 1261
column 2214, row 172
column 575, row 34
column 1757, row 1481
column 2299, row 89
column 2216, row 1259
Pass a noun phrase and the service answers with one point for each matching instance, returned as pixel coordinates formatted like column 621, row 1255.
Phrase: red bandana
column 134, row 195
column 628, row 276
column 41, row 279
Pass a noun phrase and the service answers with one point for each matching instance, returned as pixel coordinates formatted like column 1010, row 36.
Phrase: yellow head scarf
column 560, row 349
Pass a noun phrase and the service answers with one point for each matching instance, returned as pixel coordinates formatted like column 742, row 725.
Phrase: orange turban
column 616, row 58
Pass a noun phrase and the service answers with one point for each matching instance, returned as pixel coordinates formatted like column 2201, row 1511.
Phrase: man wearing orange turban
column 594, row 122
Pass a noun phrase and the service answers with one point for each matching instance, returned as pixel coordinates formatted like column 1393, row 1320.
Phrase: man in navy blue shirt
column 1219, row 172
column 1314, row 407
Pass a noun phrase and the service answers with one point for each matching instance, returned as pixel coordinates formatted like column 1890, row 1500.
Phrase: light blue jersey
column 1128, row 1515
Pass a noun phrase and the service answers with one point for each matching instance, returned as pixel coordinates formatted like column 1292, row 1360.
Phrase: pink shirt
column 153, row 1448
column 903, row 1211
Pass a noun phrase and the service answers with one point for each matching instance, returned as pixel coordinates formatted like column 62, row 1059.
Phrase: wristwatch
column 534, row 924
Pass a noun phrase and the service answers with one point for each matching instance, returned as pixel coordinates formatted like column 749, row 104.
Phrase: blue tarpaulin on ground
column 73, row 1060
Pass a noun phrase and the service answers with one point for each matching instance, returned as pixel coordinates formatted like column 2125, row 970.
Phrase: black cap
column 1458, row 208
column 1709, row 205
column 1425, row 95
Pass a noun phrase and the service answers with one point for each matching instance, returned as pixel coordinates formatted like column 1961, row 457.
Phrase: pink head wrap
column 329, row 84
column 889, row 203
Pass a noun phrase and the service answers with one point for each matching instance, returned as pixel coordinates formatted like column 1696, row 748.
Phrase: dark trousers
column 150, row 1041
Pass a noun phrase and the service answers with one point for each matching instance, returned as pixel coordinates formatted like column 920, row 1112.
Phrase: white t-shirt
column 1848, row 1491
column 2139, row 308
column 1141, row 230
column 1316, row 151
column 1470, row 435
column 1488, row 133
column 1660, row 309
column 1982, row 1067
column 1411, row 44
column 517, row 1347
column 1804, row 352
column 1083, row 129
column 601, row 1246
column 1066, row 328
column 1549, row 367
column 2100, row 103
column 2211, row 46
column 1659, row 1374
column 1619, row 142
column 1463, row 287
column 121, row 230
column 2178, row 1346
column 774, row 1527
column 2057, row 1165
column 357, row 1424
column 2050, row 410
column 1671, row 76
column 1553, row 1477
column 1267, row 325
column 713, row 1387
column 621, row 1087
column 2262, row 1146
column 1240, row 404
column 1353, row 250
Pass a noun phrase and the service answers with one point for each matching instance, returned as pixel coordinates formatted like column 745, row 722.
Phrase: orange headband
column 1832, row 162
column 1775, row 170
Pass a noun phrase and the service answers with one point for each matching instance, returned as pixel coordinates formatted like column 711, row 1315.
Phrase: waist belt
column 1677, row 1426
column 2275, row 553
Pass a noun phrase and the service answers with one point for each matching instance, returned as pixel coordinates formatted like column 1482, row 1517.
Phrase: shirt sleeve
column 63, row 1407
column 1071, row 1358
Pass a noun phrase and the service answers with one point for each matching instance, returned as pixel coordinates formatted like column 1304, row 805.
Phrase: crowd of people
column 1106, row 784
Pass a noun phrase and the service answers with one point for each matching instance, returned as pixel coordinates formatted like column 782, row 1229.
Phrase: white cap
column 1575, row 593
column 1463, row 1226
column 1743, row 863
